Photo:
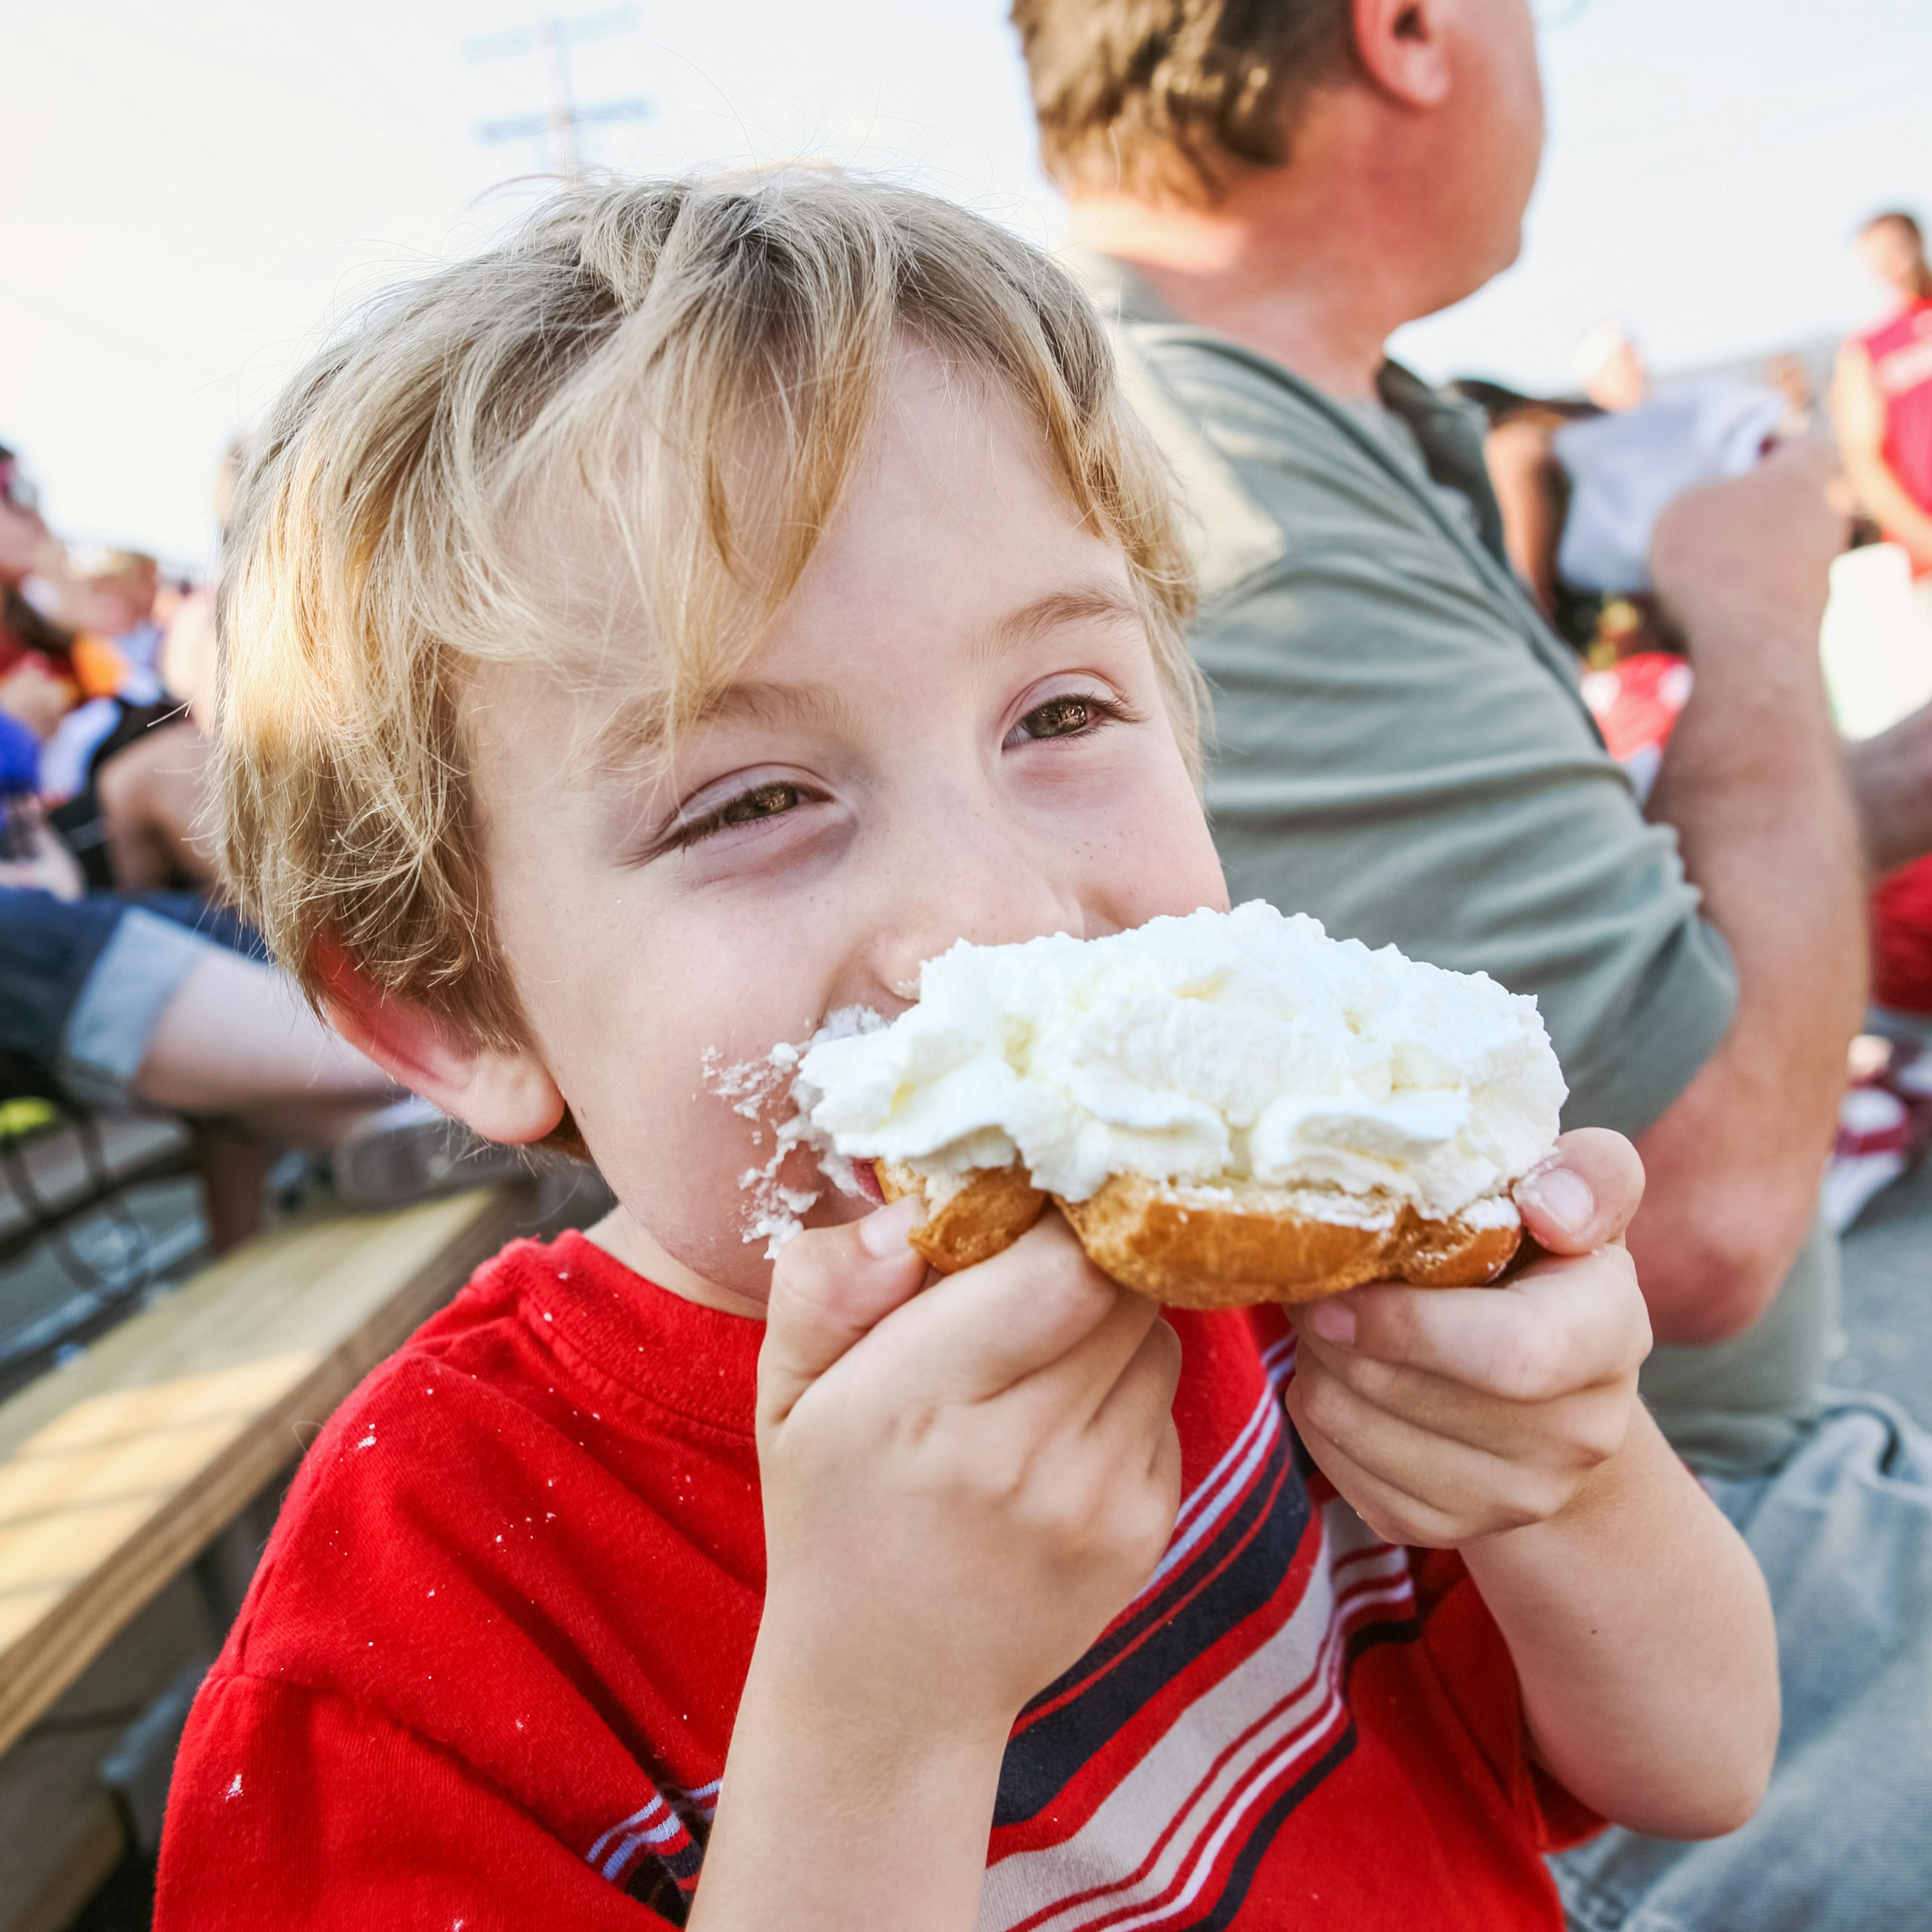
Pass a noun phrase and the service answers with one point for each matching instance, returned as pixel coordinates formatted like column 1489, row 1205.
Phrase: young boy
column 641, row 641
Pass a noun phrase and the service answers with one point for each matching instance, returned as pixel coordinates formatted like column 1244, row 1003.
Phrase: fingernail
column 885, row 1232
column 1334, row 1321
column 1560, row 1195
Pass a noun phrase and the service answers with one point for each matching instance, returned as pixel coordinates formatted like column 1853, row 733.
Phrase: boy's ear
column 506, row 1096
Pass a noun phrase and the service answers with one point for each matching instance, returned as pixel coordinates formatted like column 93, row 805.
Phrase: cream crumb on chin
column 765, row 1091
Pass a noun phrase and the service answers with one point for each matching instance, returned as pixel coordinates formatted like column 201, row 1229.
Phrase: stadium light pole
column 553, row 37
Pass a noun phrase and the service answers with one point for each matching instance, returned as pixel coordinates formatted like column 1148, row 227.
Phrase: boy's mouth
column 867, row 1177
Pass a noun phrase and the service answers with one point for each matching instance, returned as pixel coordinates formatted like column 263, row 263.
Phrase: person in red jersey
column 1882, row 402
column 1882, row 398
column 641, row 640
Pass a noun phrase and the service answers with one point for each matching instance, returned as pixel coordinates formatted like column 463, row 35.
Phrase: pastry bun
column 1214, row 1247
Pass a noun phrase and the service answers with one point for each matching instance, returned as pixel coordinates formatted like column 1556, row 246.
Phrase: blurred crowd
column 124, row 981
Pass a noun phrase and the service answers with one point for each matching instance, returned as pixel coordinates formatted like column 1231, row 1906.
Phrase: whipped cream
column 1210, row 1050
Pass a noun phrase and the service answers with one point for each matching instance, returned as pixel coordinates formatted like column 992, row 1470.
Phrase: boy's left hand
column 1446, row 1415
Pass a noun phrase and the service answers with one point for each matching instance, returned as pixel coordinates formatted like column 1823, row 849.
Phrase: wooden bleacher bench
column 117, row 1471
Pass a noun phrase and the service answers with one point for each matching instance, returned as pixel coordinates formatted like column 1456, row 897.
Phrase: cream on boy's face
column 954, row 731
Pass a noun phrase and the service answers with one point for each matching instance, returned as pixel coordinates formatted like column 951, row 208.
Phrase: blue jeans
column 83, row 983
column 1842, row 1842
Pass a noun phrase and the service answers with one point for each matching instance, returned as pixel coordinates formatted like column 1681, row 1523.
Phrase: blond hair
column 633, row 419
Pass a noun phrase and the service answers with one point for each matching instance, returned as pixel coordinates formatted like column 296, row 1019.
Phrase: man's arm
column 1858, row 410
column 1397, row 755
column 1754, row 784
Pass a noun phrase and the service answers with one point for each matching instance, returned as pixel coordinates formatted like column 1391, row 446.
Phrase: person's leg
column 236, row 1041
column 1842, row 1842
column 153, row 793
column 167, row 1017
column 236, row 1038
column 117, row 1003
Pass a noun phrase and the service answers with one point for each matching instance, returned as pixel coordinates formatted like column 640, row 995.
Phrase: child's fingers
column 1428, row 1487
column 1393, row 1514
column 1563, row 1325
column 830, row 1287
column 1584, row 1195
column 1588, row 1423
column 1446, row 1490
column 1041, row 1305
column 1073, row 1388
column 1140, row 1397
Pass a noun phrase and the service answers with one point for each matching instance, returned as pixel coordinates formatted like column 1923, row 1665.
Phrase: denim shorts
column 1842, row 1842
column 84, row 983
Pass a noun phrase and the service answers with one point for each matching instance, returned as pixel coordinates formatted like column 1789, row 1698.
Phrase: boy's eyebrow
column 766, row 702
column 1103, row 603
column 634, row 730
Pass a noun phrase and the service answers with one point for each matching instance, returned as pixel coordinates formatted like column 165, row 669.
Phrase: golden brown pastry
column 1207, row 1247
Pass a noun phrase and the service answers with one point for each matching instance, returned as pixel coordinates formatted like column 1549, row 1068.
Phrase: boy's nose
column 971, row 878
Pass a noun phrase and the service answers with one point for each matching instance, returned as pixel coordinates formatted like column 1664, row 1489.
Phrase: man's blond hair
column 608, row 446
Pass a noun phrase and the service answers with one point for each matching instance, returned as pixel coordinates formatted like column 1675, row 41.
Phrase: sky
column 195, row 191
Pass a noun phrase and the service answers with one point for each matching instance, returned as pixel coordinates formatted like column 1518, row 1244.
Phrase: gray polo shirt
column 1401, row 749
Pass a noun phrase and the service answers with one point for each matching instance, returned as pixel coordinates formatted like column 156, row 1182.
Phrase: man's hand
column 962, row 1486
column 48, row 866
column 1446, row 1416
column 1747, row 562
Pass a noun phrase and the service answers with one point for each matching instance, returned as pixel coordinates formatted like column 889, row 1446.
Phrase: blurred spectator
column 112, row 607
column 1648, row 448
column 24, row 549
column 1882, row 401
column 116, row 649
column 1533, row 495
column 1882, row 395
column 1611, row 367
column 148, row 994
column 1581, row 486
column 36, row 687
column 1787, row 374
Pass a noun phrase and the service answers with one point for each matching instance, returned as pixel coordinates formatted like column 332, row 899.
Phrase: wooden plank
column 114, row 1473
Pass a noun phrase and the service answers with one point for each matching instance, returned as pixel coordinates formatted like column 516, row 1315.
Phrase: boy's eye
column 1061, row 717
column 764, row 801
column 773, row 799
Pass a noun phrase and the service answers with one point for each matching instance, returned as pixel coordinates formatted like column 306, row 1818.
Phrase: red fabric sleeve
column 292, row 1808
column 1473, row 1664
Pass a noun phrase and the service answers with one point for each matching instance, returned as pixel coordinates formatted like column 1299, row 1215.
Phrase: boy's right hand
column 963, row 1486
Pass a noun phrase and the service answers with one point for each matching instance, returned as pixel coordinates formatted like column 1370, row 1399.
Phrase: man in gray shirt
column 1261, row 194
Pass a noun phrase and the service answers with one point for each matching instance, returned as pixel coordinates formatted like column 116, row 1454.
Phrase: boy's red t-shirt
column 486, row 1675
